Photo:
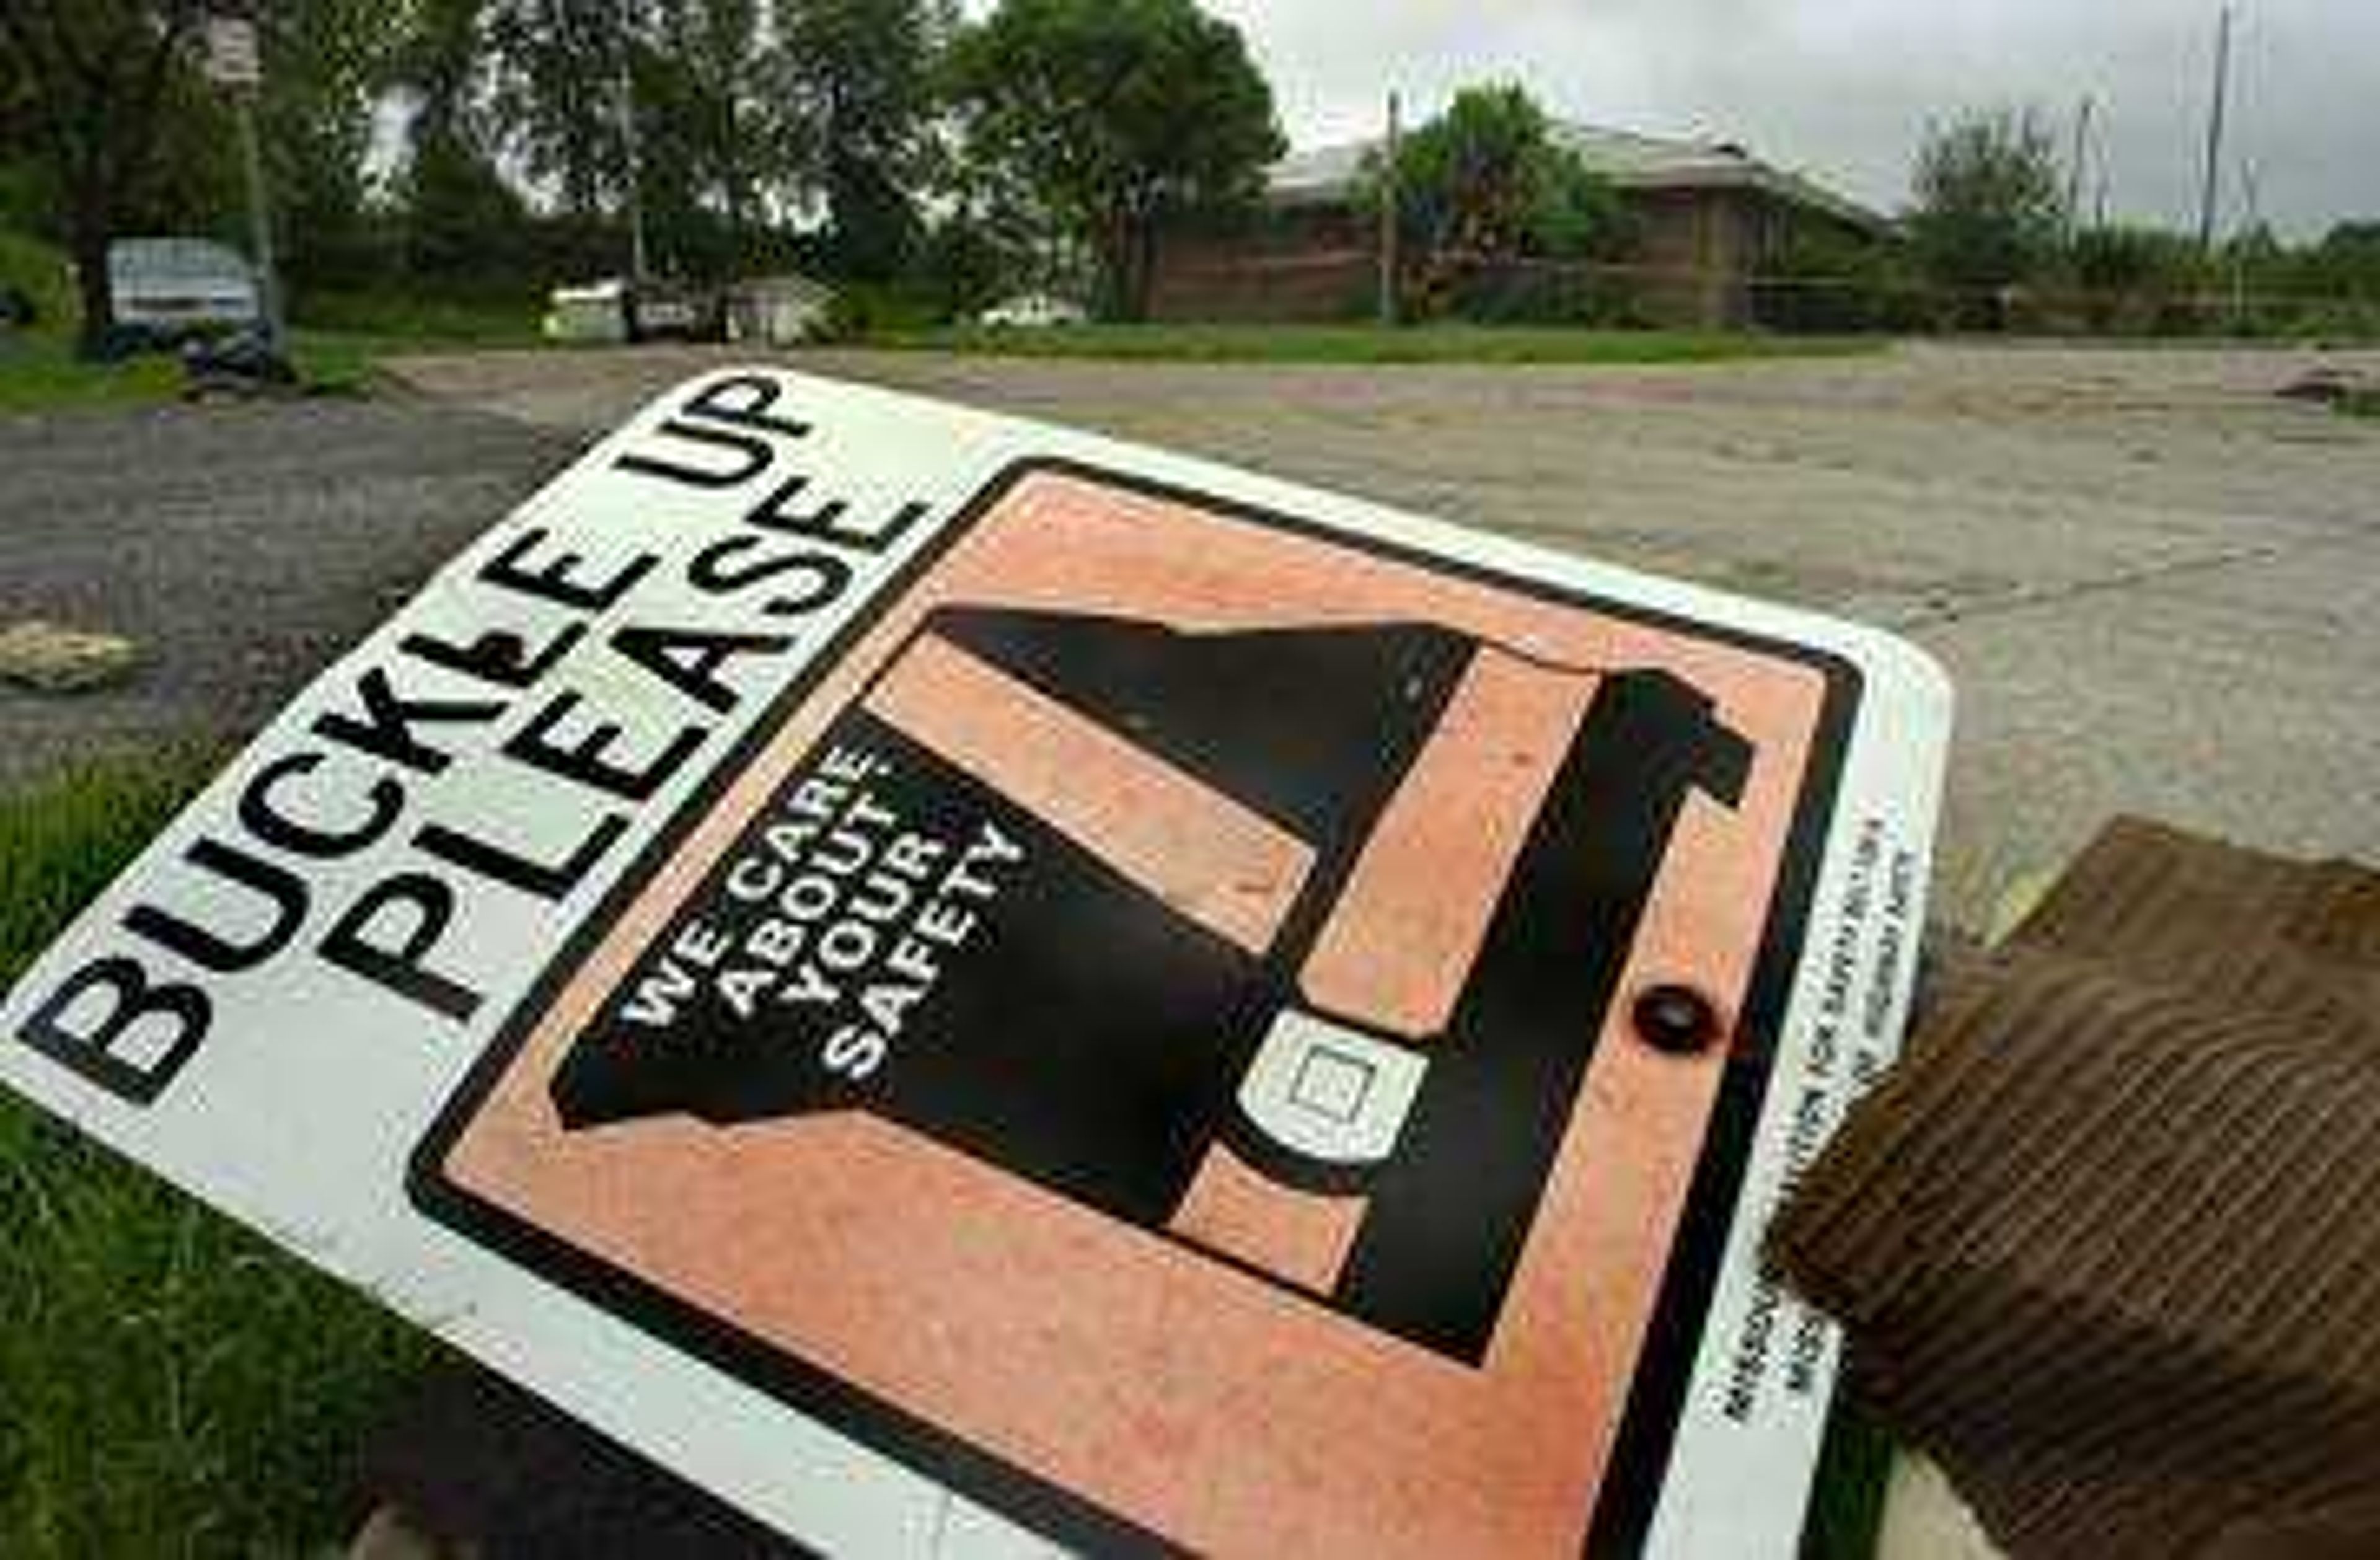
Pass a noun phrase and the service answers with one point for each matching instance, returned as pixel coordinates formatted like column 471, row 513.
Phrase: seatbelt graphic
column 1204, row 922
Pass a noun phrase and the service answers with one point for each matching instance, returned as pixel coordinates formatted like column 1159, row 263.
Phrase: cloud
column 1845, row 88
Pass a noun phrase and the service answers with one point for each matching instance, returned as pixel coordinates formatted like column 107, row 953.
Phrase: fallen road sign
column 961, row 983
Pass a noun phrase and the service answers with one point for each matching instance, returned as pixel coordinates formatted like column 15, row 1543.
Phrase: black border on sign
column 1632, row 1479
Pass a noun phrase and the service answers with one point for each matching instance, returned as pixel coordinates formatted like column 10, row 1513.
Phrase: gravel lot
column 241, row 548
column 2157, row 587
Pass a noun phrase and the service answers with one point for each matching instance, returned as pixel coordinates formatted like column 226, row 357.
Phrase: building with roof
column 1709, row 216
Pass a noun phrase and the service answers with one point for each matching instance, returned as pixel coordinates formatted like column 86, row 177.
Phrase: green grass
column 40, row 373
column 2358, row 403
column 336, row 339
column 1372, row 343
column 38, row 270
column 1847, row 1493
column 339, row 337
column 169, row 1384
column 397, row 318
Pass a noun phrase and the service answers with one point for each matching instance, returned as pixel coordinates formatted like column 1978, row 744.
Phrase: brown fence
column 1343, row 284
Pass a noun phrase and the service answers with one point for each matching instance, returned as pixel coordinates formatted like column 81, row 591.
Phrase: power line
column 1391, row 214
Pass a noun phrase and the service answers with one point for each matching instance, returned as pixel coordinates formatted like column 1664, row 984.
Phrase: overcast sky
column 1842, row 88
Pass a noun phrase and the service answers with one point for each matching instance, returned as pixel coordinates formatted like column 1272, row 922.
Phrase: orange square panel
column 1195, row 1030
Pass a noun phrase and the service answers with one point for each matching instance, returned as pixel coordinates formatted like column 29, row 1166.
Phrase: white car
column 1035, row 311
column 170, row 289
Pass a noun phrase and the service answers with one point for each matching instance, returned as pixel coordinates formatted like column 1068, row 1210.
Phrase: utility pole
column 2252, row 196
column 235, row 63
column 259, row 220
column 2210, row 186
column 2074, row 172
column 625, row 90
column 1390, row 203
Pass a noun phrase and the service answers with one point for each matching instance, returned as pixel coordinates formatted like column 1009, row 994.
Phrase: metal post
column 1389, row 204
column 2074, row 174
column 2215, row 133
column 260, row 218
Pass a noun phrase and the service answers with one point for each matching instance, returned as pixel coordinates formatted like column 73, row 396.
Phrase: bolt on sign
column 966, row 985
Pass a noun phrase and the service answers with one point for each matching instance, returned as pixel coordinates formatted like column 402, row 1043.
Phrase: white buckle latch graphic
column 1331, row 1093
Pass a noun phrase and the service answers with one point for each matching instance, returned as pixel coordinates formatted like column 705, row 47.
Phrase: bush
column 42, row 275
column 1832, row 284
column 2138, row 281
column 1546, row 293
column 1988, row 210
column 865, row 309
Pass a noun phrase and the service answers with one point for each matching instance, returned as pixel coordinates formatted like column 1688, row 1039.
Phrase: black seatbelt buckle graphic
column 931, row 924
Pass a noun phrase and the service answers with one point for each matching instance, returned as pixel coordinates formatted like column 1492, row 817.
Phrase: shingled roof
column 1326, row 175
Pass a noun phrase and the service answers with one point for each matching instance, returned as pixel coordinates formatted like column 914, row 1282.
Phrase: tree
column 1485, row 178
column 94, row 81
column 1989, row 207
column 856, row 82
column 2136, row 278
column 694, row 77
column 1118, row 115
column 327, row 63
column 700, row 97
column 2346, row 262
column 557, row 66
column 458, row 206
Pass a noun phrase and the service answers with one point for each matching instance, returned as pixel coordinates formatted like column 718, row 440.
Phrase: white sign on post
column 232, row 58
column 963, row 984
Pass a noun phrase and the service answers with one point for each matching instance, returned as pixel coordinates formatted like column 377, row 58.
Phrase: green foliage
column 504, row 315
column 47, row 374
column 42, row 372
column 61, row 842
column 968, row 262
column 1847, row 1495
column 1486, row 178
column 41, row 273
column 1116, row 115
column 169, row 1384
column 1988, row 205
column 2346, row 263
column 1367, row 344
column 2125, row 258
column 458, row 212
column 700, row 102
column 195, row 183
column 339, row 337
column 89, row 88
column 1483, row 189
column 856, row 86
column 175, row 167
column 461, row 216
column 1827, row 282
column 2136, row 280
column 554, row 68
column 1532, row 293
column 326, row 64
column 695, row 81
column 872, row 310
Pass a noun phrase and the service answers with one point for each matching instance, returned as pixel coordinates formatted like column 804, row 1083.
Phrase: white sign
column 232, row 57
column 968, row 986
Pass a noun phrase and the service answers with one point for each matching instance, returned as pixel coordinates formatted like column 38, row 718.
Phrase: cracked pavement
column 2156, row 586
